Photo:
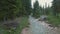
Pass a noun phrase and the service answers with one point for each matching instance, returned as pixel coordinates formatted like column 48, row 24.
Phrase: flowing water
column 38, row 27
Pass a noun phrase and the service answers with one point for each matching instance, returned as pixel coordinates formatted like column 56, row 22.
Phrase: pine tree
column 7, row 7
column 26, row 7
column 10, row 9
column 56, row 7
column 36, row 10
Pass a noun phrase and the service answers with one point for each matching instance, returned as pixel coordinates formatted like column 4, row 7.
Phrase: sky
column 43, row 2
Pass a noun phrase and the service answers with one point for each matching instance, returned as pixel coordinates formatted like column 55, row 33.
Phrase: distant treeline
column 10, row 9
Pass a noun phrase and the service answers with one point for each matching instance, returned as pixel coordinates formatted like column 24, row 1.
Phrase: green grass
column 3, row 30
column 23, row 23
column 53, row 20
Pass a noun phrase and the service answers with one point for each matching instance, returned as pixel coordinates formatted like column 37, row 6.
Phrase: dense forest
column 11, row 9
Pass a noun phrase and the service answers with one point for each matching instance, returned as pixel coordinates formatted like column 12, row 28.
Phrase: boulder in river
column 43, row 18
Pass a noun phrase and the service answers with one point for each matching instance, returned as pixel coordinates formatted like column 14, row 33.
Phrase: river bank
column 40, row 27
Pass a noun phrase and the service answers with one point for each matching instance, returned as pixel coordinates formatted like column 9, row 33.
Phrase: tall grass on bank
column 54, row 21
column 23, row 23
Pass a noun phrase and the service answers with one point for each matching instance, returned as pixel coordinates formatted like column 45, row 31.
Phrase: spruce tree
column 56, row 7
column 36, row 10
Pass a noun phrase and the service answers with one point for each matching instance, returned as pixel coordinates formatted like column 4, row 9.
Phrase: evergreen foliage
column 56, row 7
column 36, row 10
column 10, row 9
